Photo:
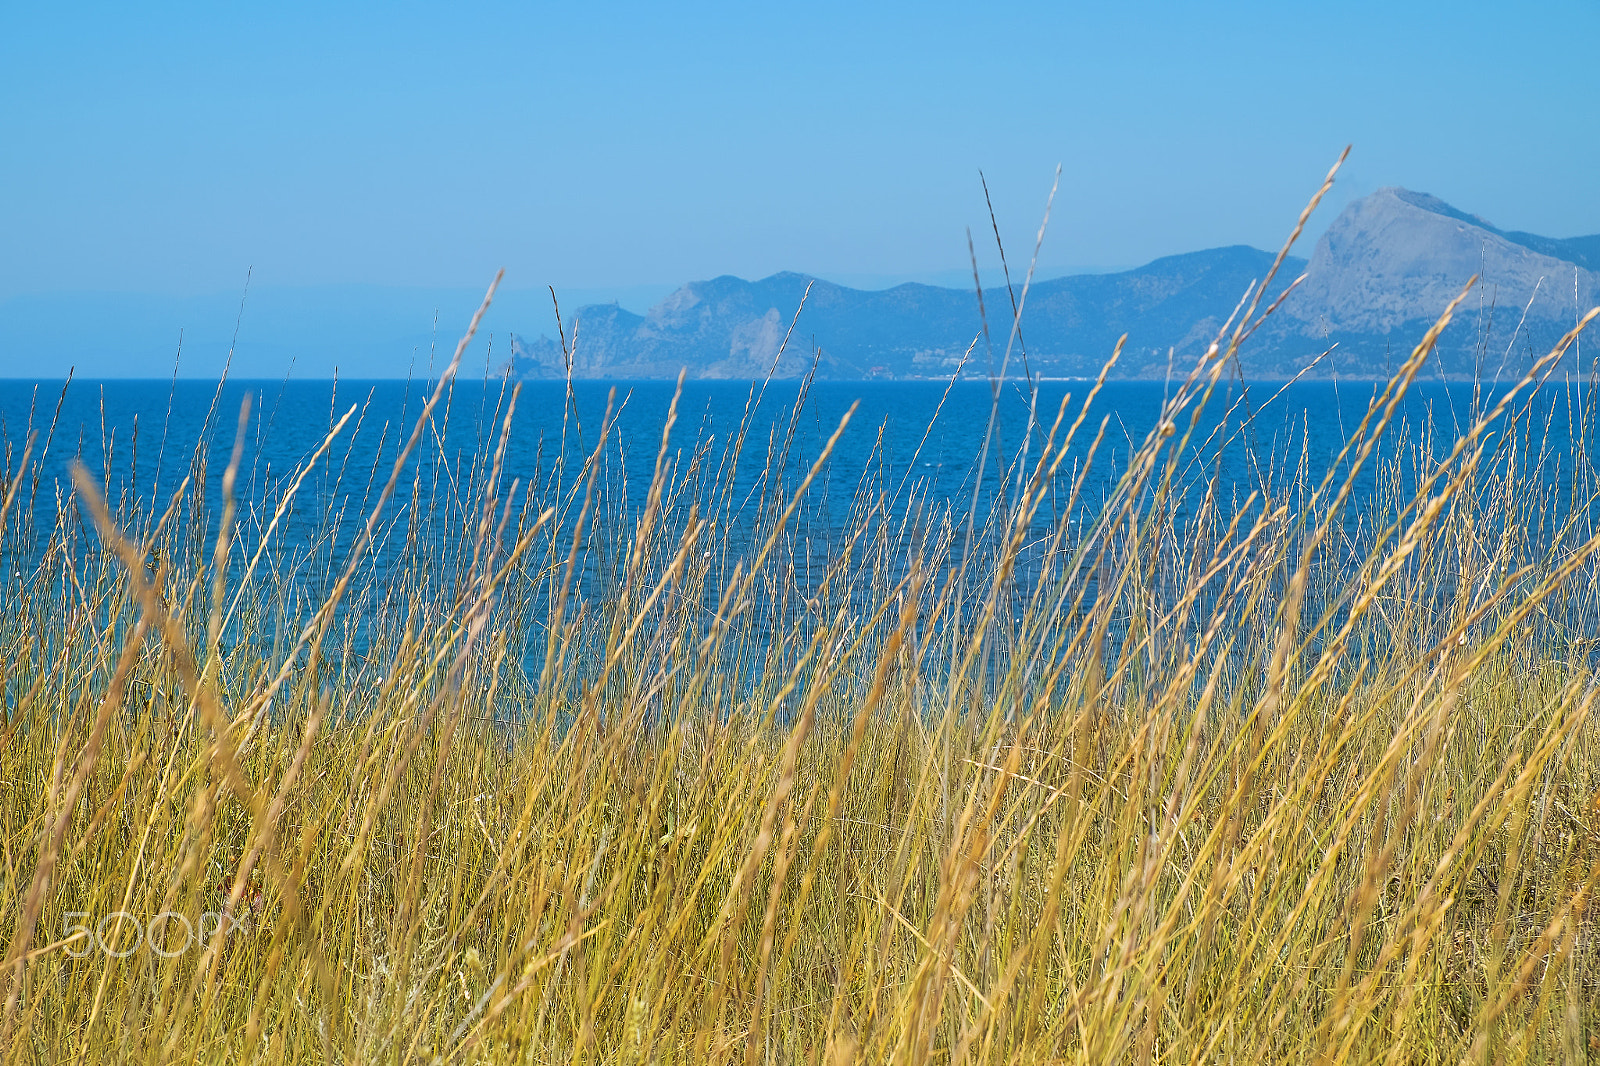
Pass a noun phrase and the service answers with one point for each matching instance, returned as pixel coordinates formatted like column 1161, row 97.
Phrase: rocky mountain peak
column 1397, row 257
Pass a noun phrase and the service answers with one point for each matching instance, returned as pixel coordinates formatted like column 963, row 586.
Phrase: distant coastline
column 1372, row 286
column 1376, row 281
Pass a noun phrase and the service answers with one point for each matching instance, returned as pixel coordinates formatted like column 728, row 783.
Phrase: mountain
column 1392, row 261
column 1377, row 279
column 731, row 328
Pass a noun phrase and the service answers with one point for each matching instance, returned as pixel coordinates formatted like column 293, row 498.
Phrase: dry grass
column 1244, row 782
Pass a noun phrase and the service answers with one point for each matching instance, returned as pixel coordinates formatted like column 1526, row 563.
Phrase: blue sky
column 614, row 149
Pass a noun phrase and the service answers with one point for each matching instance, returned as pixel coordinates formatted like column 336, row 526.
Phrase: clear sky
column 166, row 149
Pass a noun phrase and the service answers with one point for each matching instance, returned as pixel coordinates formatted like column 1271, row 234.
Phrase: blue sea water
column 140, row 435
column 912, row 449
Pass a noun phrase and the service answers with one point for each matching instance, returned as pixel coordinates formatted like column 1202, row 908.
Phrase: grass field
column 1253, row 782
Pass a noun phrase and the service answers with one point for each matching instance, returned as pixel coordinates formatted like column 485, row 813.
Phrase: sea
column 142, row 434
column 923, row 454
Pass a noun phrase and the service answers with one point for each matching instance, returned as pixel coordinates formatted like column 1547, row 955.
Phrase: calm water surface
column 910, row 444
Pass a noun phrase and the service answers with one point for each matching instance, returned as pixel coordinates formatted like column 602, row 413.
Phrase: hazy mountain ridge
column 730, row 328
column 1377, row 279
